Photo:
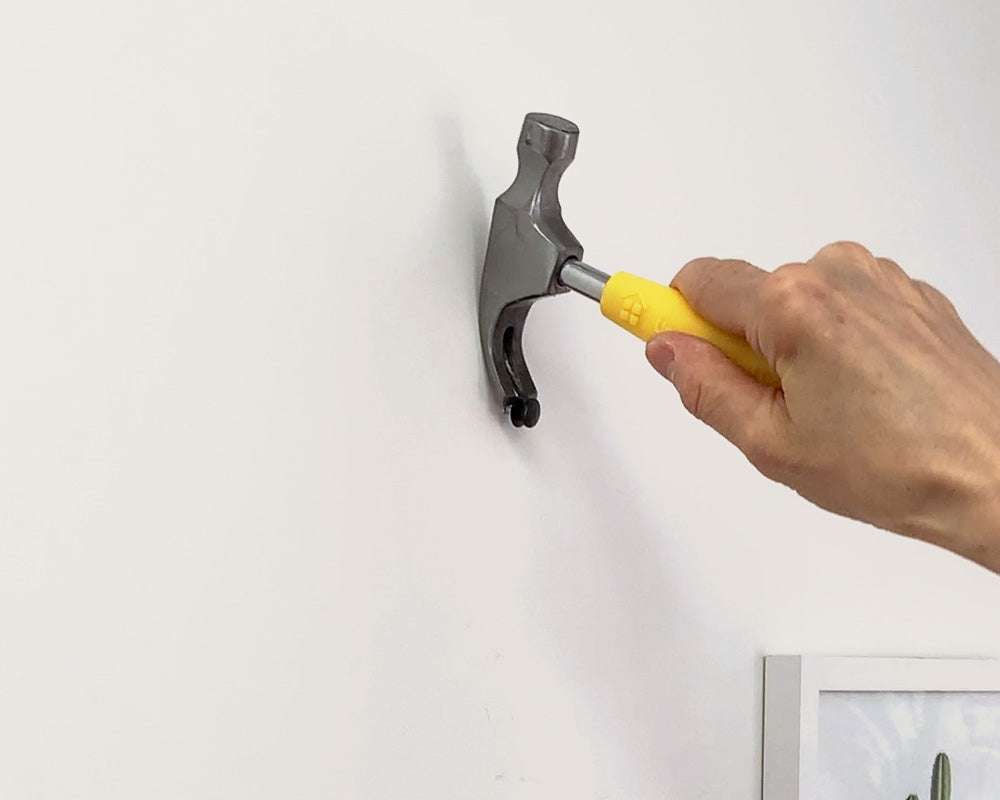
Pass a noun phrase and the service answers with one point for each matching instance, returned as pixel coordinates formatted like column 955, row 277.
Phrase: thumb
column 713, row 388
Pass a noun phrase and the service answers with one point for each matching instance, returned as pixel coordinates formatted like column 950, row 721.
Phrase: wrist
column 962, row 508
column 980, row 539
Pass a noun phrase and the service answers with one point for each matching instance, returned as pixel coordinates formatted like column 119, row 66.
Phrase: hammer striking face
column 528, row 244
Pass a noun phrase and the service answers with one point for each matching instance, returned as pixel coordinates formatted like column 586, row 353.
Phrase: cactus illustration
column 940, row 779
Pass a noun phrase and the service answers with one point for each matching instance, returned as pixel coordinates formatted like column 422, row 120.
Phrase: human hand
column 888, row 411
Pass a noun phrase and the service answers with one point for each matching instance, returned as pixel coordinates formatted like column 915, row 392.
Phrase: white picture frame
column 794, row 685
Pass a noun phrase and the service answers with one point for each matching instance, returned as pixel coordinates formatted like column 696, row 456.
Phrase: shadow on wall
column 622, row 627
column 466, row 220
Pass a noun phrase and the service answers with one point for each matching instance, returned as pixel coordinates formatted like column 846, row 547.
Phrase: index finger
column 722, row 291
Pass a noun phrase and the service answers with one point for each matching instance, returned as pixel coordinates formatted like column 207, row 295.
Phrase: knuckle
column 730, row 268
column 935, row 297
column 800, row 306
column 702, row 402
column 845, row 253
column 695, row 400
column 733, row 263
column 890, row 265
column 695, row 275
column 703, row 270
column 929, row 291
column 789, row 293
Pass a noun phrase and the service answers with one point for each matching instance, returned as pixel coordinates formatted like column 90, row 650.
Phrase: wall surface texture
column 262, row 534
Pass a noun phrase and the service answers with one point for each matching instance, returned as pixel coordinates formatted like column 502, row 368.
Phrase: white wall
column 262, row 534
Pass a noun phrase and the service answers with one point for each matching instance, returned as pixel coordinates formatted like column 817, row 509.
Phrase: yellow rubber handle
column 645, row 308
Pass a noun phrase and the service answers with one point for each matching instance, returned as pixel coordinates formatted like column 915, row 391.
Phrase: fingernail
column 660, row 354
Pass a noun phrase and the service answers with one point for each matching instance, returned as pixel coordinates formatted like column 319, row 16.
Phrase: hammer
column 531, row 254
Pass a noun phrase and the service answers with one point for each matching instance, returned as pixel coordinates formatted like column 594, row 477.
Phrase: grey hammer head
column 528, row 245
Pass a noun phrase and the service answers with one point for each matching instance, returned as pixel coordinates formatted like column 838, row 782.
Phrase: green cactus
column 940, row 779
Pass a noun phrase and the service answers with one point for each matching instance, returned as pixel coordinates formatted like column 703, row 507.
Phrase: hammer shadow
column 616, row 613
column 468, row 211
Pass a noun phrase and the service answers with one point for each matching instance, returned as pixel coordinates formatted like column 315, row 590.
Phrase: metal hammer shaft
column 584, row 279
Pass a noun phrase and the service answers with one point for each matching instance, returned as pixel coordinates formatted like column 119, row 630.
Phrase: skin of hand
column 888, row 410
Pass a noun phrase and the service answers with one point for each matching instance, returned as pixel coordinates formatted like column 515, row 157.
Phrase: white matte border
column 792, row 686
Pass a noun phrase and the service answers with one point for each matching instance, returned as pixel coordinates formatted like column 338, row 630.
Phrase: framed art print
column 839, row 728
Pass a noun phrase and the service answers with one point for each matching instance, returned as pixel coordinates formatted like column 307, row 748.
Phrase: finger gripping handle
column 645, row 308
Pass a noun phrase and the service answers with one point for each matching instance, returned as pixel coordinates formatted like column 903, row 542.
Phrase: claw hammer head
column 528, row 245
